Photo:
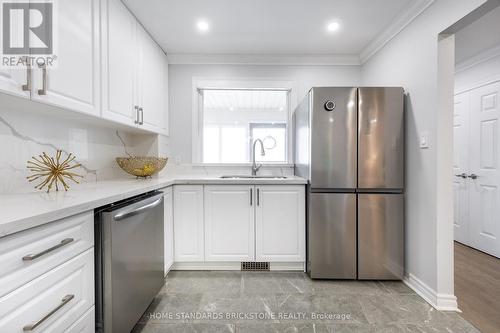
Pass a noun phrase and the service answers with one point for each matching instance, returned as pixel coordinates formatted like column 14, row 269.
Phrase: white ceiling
column 272, row 27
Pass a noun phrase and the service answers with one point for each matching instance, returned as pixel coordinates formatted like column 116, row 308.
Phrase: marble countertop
column 27, row 210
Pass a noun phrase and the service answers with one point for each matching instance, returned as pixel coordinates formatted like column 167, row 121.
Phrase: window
column 231, row 120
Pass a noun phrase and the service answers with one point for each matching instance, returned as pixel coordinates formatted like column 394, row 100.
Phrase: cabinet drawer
column 52, row 302
column 31, row 253
column 86, row 324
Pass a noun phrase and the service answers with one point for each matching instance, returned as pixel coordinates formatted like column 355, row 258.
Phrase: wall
column 181, row 85
column 23, row 135
column 411, row 60
column 478, row 52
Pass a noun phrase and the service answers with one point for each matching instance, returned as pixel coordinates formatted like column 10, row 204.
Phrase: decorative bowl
column 141, row 166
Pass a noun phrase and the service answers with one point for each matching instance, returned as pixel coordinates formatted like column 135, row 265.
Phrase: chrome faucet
column 256, row 168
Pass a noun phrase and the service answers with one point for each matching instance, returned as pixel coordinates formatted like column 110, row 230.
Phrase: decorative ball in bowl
column 141, row 166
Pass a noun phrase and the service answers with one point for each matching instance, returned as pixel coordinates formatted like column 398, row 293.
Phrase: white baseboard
column 233, row 266
column 441, row 302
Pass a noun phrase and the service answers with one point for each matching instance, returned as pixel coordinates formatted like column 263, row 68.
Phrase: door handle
column 251, row 197
column 473, row 176
column 27, row 86
column 64, row 301
column 137, row 211
column 462, row 175
column 258, row 197
column 43, row 91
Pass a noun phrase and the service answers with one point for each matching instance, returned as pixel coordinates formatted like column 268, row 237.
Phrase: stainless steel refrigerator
column 349, row 144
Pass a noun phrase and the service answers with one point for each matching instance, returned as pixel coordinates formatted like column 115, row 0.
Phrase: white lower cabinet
column 280, row 223
column 168, row 228
column 53, row 301
column 233, row 223
column 188, row 225
column 229, row 223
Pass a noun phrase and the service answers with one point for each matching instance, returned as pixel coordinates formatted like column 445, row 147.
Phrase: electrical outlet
column 177, row 160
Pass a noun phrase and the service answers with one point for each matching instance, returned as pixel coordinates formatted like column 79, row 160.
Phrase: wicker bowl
column 141, row 166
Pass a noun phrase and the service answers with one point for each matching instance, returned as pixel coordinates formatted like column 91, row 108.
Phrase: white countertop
column 27, row 210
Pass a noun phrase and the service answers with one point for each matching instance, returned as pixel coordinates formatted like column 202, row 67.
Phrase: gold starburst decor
column 52, row 171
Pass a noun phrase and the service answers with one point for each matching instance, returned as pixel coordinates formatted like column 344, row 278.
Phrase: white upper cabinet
column 133, row 74
column 280, row 223
column 15, row 81
column 229, row 223
column 73, row 83
column 151, row 88
column 119, row 63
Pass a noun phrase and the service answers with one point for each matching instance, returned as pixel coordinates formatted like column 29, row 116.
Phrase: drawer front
column 31, row 253
column 52, row 302
column 86, row 324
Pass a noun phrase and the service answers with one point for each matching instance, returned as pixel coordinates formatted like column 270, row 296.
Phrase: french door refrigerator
column 349, row 144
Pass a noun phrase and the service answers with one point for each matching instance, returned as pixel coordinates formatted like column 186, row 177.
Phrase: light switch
column 424, row 140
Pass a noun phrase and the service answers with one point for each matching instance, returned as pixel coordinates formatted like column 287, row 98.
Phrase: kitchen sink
column 251, row 177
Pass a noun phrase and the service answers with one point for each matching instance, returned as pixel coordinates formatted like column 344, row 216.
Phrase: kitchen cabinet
column 133, row 74
column 119, row 63
column 168, row 211
column 188, row 223
column 73, row 83
column 229, row 223
column 280, row 223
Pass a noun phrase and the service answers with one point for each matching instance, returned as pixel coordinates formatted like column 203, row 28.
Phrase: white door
column 12, row 81
column 119, row 63
column 461, row 168
column 280, row 223
column 229, row 223
column 168, row 228
column 150, row 82
column 73, row 82
column 188, row 223
column 484, row 164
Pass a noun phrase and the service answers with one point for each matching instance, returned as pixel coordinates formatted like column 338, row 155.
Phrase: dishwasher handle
column 137, row 211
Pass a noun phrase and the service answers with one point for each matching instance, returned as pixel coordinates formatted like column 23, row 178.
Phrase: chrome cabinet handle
column 27, row 86
column 258, row 197
column 251, row 196
column 473, row 176
column 462, row 175
column 43, row 91
column 64, row 301
column 64, row 242
column 136, row 108
column 141, row 112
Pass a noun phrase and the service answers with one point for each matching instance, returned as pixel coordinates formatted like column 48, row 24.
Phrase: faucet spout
column 256, row 167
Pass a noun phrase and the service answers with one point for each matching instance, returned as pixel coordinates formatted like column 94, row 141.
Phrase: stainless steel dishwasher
column 129, row 260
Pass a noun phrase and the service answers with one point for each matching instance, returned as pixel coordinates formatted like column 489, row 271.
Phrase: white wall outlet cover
column 424, row 140
column 177, row 160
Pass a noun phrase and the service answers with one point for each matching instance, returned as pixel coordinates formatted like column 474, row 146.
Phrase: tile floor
column 219, row 301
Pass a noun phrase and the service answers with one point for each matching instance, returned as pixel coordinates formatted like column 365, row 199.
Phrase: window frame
column 201, row 84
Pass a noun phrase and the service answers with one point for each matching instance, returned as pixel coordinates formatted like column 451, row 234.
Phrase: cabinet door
column 150, row 82
column 188, row 223
column 280, row 223
column 119, row 59
column 12, row 81
column 229, row 223
column 73, row 82
column 168, row 228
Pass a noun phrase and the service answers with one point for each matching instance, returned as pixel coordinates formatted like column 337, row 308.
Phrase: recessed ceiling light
column 203, row 26
column 333, row 26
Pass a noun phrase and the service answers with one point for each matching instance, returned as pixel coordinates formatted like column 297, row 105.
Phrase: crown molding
column 263, row 59
column 478, row 59
column 404, row 18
